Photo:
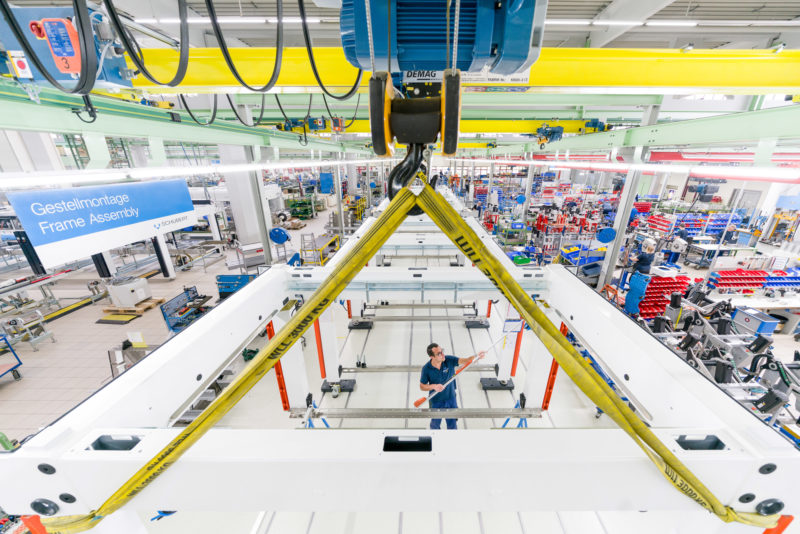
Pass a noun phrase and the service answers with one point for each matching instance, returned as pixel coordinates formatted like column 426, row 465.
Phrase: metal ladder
column 308, row 251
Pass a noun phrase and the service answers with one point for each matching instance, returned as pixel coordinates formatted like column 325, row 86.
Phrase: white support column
column 489, row 186
column 352, row 178
column 96, row 146
column 528, row 189
column 330, row 352
column 620, row 225
column 167, row 268
column 250, row 208
column 158, row 155
column 28, row 151
column 337, row 190
column 293, row 364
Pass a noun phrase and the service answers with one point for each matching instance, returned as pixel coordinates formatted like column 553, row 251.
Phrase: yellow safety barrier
column 449, row 221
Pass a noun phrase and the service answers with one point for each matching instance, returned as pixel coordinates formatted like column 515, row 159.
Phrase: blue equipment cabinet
column 506, row 37
column 228, row 284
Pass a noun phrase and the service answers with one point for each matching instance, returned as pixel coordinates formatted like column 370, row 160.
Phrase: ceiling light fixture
column 567, row 22
column 616, row 23
column 206, row 20
column 684, row 23
column 294, row 20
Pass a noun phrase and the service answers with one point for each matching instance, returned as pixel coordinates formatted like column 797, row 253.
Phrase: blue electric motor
column 504, row 35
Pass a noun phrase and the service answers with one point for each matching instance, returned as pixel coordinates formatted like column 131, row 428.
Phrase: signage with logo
column 68, row 224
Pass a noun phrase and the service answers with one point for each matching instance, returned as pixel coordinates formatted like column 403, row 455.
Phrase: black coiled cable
column 309, row 50
column 213, row 111
column 223, row 46
column 257, row 122
column 134, row 51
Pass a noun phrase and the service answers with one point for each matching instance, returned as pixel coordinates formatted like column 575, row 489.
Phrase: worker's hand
column 481, row 355
column 437, row 387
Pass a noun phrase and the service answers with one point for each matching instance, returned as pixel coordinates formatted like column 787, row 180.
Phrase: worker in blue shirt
column 439, row 369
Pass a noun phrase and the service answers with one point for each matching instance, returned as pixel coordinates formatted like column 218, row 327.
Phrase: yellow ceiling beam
column 657, row 70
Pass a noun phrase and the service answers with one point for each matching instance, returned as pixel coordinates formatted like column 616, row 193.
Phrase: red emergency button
column 37, row 29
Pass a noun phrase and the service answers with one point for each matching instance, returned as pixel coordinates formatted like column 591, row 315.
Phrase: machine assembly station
column 425, row 267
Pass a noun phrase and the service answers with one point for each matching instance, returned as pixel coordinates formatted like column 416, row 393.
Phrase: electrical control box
column 51, row 33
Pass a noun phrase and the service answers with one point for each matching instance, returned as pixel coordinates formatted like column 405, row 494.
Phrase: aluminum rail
column 416, row 413
column 409, row 369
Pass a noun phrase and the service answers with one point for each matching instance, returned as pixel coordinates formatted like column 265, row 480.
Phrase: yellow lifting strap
column 449, row 221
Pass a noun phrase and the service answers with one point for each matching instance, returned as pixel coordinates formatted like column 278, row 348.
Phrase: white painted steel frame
column 541, row 469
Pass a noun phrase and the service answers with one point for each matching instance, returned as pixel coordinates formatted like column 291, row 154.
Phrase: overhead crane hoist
column 486, row 35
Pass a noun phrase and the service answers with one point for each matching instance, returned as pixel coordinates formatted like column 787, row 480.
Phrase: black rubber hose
column 257, row 122
column 223, row 46
column 309, row 49
column 134, row 51
column 83, row 23
column 213, row 111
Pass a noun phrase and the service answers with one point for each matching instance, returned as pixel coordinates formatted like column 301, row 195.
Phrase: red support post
column 318, row 337
column 279, row 373
column 551, row 378
column 489, row 309
column 516, row 349
column 349, row 310
column 783, row 523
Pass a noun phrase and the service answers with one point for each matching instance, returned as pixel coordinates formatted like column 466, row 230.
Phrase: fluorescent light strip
column 22, row 180
column 682, row 23
column 616, row 23
column 231, row 20
column 567, row 22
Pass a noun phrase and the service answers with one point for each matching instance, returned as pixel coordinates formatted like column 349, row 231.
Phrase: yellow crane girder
column 728, row 71
column 470, row 126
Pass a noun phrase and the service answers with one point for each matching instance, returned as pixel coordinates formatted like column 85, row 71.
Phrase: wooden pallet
column 139, row 309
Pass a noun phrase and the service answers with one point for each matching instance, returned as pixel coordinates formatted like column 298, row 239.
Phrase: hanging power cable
column 89, row 108
column 257, row 122
column 303, row 138
column 310, row 51
column 210, row 121
column 304, row 141
column 88, row 53
column 280, row 107
column 134, row 50
column 223, row 46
